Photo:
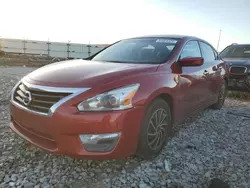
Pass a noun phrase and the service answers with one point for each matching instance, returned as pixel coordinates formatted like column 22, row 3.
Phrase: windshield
column 236, row 52
column 146, row 50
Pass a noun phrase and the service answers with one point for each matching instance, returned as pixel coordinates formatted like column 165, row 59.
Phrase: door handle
column 217, row 68
column 205, row 73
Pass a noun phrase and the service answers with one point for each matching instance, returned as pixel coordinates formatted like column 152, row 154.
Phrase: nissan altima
column 122, row 101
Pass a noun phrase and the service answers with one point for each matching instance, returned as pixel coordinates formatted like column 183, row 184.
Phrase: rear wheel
column 154, row 129
column 221, row 97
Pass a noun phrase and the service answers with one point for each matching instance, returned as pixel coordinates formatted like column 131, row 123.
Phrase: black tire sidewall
column 220, row 103
column 143, row 149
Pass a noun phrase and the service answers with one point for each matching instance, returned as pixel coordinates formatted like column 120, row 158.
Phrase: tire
column 154, row 132
column 221, row 96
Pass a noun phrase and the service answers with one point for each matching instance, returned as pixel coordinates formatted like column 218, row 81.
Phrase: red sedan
column 124, row 100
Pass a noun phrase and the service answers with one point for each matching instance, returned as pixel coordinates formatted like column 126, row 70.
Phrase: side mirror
column 191, row 61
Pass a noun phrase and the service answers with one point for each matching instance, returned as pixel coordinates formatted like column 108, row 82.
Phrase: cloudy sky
column 105, row 21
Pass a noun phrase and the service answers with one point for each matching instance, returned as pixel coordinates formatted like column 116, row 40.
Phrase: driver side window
column 191, row 49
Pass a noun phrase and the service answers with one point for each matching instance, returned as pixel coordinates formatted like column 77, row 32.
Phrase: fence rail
column 50, row 49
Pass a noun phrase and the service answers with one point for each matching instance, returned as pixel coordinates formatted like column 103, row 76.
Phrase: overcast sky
column 105, row 21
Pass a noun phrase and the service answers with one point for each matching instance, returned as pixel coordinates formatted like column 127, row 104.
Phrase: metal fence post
column 48, row 48
column 68, row 44
column 24, row 46
column 89, row 49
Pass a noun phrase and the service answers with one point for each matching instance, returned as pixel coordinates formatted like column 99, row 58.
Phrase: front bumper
column 60, row 133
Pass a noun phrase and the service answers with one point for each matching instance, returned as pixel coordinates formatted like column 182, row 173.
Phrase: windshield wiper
column 116, row 61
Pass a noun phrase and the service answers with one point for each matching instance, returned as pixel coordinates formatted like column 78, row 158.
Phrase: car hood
column 237, row 61
column 82, row 73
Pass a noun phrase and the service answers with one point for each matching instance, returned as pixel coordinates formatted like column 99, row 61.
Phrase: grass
column 26, row 60
column 2, row 62
column 239, row 95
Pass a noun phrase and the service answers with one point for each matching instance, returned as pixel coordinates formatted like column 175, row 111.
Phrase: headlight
column 117, row 99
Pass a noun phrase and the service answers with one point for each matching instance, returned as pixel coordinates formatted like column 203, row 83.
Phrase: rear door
column 214, row 68
column 192, row 82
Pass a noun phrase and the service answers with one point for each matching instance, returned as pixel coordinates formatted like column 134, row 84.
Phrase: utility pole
column 218, row 44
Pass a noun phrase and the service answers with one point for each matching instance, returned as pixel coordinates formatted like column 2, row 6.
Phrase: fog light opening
column 99, row 142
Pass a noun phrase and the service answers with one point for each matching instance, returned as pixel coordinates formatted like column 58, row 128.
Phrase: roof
column 235, row 44
column 167, row 36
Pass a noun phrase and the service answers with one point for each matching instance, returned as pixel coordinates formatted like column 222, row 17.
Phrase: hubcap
column 157, row 129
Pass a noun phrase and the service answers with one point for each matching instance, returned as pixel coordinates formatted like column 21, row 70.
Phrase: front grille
column 238, row 70
column 36, row 100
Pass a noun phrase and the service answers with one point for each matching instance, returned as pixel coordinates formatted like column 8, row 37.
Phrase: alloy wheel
column 157, row 129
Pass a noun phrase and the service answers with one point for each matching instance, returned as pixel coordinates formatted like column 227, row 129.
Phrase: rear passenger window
column 191, row 49
column 207, row 52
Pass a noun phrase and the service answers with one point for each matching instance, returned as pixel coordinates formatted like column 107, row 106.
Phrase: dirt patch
column 26, row 60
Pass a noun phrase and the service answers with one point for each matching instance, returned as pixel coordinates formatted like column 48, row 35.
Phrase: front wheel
column 154, row 129
column 221, row 96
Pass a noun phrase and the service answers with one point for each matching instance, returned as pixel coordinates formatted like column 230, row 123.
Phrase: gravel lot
column 213, row 144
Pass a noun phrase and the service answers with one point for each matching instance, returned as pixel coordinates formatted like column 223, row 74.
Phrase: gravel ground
column 212, row 144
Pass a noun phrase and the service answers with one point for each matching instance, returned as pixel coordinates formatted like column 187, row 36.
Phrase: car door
column 192, row 82
column 213, row 66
